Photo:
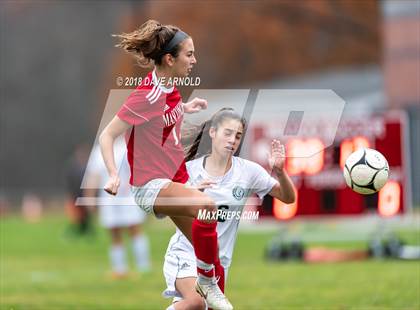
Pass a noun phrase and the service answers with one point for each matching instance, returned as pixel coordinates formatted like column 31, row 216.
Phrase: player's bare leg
column 191, row 299
column 176, row 199
column 184, row 224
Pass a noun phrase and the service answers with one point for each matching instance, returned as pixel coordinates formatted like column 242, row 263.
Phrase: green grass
column 42, row 269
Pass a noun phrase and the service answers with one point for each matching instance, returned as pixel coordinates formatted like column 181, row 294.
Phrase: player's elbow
column 103, row 137
column 289, row 200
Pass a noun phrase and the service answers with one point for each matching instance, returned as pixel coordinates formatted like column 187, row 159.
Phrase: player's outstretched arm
column 284, row 189
column 106, row 141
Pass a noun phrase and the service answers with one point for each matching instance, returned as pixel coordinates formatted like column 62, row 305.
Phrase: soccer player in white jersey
column 229, row 180
column 120, row 213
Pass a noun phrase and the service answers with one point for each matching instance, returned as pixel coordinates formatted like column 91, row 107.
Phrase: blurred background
column 58, row 64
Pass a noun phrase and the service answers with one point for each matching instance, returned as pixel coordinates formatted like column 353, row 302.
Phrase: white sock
column 117, row 257
column 171, row 307
column 141, row 252
column 202, row 279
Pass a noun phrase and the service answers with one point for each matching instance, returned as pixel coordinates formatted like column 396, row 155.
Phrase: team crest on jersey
column 238, row 192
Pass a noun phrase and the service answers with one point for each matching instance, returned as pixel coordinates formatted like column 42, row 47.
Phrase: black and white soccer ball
column 366, row 171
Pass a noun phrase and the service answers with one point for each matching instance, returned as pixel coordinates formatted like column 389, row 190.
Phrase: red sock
column 204, row 237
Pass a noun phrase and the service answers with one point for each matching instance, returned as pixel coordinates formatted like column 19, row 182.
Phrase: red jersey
column 154, row 147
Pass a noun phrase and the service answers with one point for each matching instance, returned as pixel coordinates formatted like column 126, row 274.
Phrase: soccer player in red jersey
column 151, row 117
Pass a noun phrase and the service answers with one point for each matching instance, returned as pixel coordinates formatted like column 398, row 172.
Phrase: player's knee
column 209, row 205
column 205, row 209
column 195, row 303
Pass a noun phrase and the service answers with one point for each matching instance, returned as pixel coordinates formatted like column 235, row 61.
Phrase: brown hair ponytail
column 147, row 43
column 195, row 137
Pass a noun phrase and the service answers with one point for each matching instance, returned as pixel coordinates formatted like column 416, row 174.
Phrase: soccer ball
column 366, row 171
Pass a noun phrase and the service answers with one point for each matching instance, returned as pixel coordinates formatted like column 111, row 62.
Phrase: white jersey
column 120, row 210
column 230, row 193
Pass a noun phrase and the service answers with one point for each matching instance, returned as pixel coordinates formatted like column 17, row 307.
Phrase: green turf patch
column 41, row 267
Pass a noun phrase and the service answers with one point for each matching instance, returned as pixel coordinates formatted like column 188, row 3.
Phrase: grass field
column 42, row 269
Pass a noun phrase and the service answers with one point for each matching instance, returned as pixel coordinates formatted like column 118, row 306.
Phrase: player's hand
column 195, row 105
column 277, row 157
column 111, row 187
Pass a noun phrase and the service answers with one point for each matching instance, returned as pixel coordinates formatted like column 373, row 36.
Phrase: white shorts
column 179, row 264
column 111, row 216
column 145, row 196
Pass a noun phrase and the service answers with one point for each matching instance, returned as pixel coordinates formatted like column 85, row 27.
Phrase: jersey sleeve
column 137, row 109
column 261, row 181
column 191, row 166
